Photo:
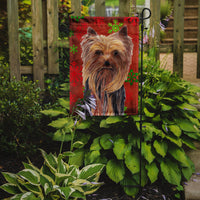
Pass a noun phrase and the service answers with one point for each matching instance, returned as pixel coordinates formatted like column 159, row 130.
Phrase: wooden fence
column 45, row 34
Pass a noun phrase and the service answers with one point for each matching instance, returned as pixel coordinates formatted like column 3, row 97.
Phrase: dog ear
column 91, row 31
column 123, row 32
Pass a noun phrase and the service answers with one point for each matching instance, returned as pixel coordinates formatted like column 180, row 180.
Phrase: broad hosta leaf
column 171, row 172
column 62, row 122
column 187, row 171
column 30, row 175
column 115, row 170
column 66, row 191
column 153, row 171
column 187, row 141
column 186, row 106
column 114, row 119
column 29, row 196
column 165, row 107
column 50, row 160
column 186, row 125
column 92, row 157
column 130, row 186
column 91, row 171
column 147, row 153
column 64, row 103
column 84, row 124
column 78, row 144
column 52, row 112
column 59, row 135
column 10, row 188
column 147, row 113
column 132, row 161
column 174, row 140
column 119, row 148
column 78, row 157
column 106, row 141
column 103, row 124
column 95, row 146
column 11, row 178
column 175, row 130
column 160, row 147
column 16, row 197
column 179, row 154
column 33, row 188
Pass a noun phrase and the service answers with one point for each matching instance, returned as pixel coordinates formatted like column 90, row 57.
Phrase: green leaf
column 174, row 140
column 78, row 157
column 60, row 135
column 153, row 171
column 132, row 161
column 84, row 125
column 95, row 146
column 30, row 175
column 119, row 148
column 171, row 172
column 165, row 107
column 33, row 188
column 92, row 156
column 64, row 103
column 10, row 177
column 50, row 160
column 106, row 141
column 29, row 196
column 103, row 124
column 10, row 188
column 175, row 130
column 160, row 147
column 129, row 184
column 185, row 106
column 114, row 119
column 115, row 170
column 188, row 142
column 78, row 144
column 52, row 112
column 186, row 125
column 16, row 197
column 62, row 122
column 66, row 191
column 148, row 114
column 91, row 171
column 147, row 153
column 188, row 171
column 179, row 155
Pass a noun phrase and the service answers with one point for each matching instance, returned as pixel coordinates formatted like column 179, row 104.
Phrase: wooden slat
column 29, row 69
column 37, row 38
column 198, row 44
column 100, row 8
column 178, row 36
column 76, row 7
column 52, row 32
column 14, row 44
column 155, row 27
column 124, row 8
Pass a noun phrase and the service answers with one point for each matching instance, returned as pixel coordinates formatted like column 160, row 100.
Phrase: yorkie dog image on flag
column 104, row 63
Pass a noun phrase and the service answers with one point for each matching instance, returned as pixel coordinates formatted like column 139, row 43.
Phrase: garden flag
column 104, row 64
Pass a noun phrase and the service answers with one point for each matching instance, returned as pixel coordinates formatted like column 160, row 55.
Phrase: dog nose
column 107, row 63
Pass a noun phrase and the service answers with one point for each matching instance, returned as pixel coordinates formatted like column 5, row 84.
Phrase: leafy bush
column 54, row 180
column 19, row 112
column 170, row 123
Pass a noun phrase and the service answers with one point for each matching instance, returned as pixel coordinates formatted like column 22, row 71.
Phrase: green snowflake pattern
column 115, row 26
column 132, row 77
column 77, row 18
column 71, row 33
column 73, row 49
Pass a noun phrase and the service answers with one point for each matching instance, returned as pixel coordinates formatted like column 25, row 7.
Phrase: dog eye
column 98, row 52
column 115, row 53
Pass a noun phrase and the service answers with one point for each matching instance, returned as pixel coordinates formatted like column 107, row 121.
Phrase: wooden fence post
column 100, row 8
column 14, row 44
column 198, row 44
column 52, row 37
column 37, row 38
column 76, row 7
column 124, row 8
column 154, row 39
column 178, row 47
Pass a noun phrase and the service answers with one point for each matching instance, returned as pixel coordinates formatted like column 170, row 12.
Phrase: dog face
column 106, row 61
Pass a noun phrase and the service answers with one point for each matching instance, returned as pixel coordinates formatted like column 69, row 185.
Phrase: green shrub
column 170, row 123
column 54, row 180
column 19, row 112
